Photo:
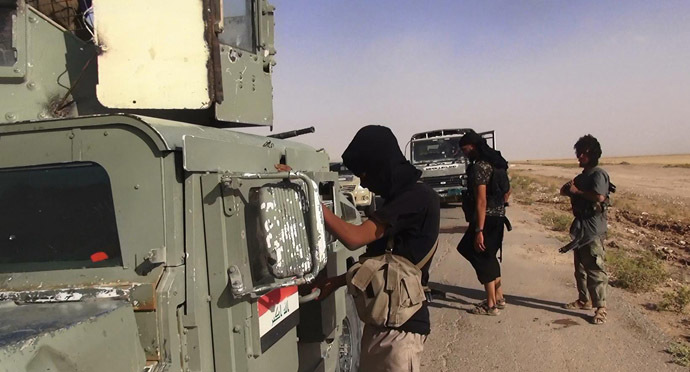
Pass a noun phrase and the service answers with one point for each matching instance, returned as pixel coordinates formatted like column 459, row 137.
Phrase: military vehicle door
column 490, row 137
column 246, row 50
column 253, row 279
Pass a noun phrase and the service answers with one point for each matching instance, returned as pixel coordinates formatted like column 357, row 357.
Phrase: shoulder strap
column 389, row 249
column 428, row 256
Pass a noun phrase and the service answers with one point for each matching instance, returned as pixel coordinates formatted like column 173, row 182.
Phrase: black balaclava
column 485, row 152
column 375, row 151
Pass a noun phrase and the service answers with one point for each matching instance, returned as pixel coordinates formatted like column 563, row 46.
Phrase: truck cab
column 444, row 167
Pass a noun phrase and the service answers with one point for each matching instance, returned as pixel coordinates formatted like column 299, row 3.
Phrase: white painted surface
column 154, row 54
column 277, row 313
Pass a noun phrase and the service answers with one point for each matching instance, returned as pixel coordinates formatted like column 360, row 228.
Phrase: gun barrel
column 293, row 133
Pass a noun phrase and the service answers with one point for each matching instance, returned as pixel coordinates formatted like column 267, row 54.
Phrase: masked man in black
column 410, row 216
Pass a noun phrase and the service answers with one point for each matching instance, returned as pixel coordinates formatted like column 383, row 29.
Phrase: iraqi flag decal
column 277, row 314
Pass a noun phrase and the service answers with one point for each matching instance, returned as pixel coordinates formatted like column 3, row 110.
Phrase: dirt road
column 533, row 333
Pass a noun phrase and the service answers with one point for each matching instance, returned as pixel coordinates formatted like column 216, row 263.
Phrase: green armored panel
column 246, row 61
column 129, row 186
column 70, row 337
column 181, row 210
column 248, row 92
column 53, row 70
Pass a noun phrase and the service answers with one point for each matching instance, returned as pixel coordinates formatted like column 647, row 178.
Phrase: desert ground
column 648, row 224
column 664, row 177
column 675, row 159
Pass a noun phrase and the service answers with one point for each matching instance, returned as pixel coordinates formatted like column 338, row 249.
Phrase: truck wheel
column 350, row 338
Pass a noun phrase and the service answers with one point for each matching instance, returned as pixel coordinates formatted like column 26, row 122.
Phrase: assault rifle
column 579, row 240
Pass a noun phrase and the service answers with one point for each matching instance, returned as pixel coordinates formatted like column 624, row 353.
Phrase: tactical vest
column 496, row 189
column 591, row 209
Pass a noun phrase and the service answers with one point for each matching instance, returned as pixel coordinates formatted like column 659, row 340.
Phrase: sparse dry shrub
column 641, row 273
column 562, row 165
column 529, row 190
column 677, row 166
column 680, row 352
column 556, row 221
column 676, row 300
column 520, row 182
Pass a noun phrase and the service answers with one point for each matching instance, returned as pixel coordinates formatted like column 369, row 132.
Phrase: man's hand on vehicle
column 283, row 168
column 328, row 285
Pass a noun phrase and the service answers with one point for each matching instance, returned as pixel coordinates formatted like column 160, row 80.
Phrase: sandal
column 483, row 309
column 578, row 305
column 599, row 316
column 500, row 304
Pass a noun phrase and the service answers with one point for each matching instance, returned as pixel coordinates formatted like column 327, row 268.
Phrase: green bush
column 637, row 274
column 676, row 300
column 556, row 221
column 520, row 182
column 677, row 166
column 680, row 352
column 521, row 186
column 526, row 200
column 563, row 165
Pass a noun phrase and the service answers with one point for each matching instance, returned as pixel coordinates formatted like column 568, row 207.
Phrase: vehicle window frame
column 424, row 142
column 252, row 15
column 19, row 43
column 103, row 228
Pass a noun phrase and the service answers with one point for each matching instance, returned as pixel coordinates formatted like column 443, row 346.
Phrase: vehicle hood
column 98, row 335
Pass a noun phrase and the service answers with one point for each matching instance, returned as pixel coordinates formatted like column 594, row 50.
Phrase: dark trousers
column 485, row 263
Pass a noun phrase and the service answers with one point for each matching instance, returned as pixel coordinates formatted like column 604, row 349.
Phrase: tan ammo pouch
column 387, row 289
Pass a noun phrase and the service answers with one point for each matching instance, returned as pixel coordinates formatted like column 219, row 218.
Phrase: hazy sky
column 541, row 73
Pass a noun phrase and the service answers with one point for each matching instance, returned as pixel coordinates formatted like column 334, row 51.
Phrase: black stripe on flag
column 277, row 332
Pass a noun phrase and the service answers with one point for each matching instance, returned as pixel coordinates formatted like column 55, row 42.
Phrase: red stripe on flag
column 274, row 297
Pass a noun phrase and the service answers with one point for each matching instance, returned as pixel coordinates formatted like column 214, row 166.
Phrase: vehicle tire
column 350, row 338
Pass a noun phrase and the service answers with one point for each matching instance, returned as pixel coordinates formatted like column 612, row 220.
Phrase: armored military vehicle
column 137, row 233
column 437, row 154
